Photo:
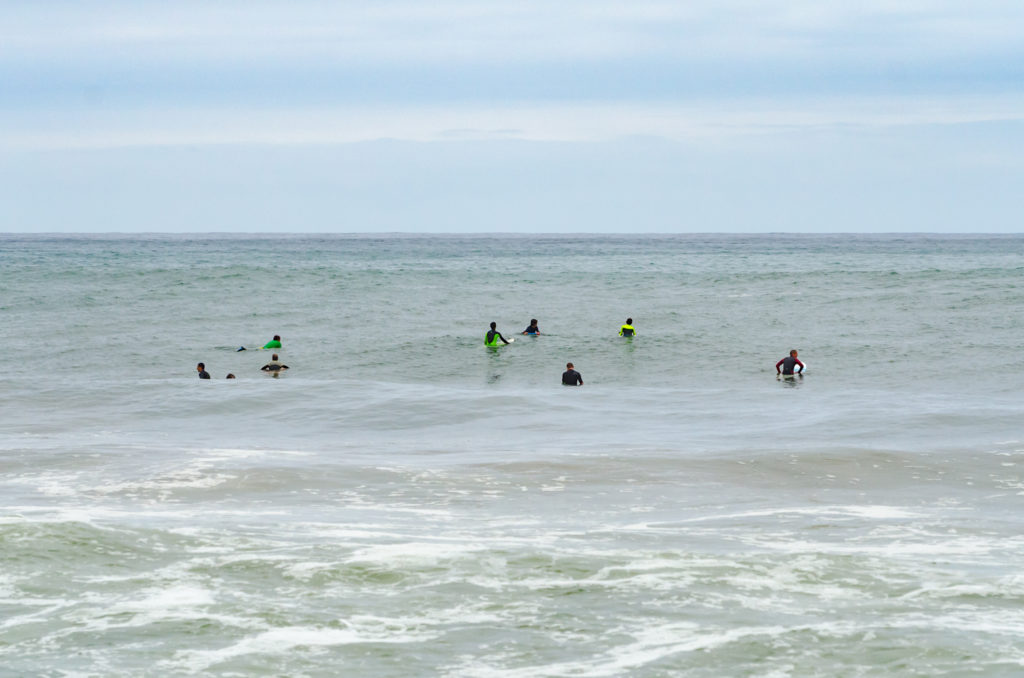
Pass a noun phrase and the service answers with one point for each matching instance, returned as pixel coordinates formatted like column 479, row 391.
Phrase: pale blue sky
column 595, row 116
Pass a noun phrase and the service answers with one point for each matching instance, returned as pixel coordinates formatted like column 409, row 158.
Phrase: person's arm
column 778, row 370
column 501, row 337
column 800, row 364
column 284, row 367
column 579, row 378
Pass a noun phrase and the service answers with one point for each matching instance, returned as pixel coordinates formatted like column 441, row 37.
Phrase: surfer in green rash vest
column 274, row 343
column 627, row 330
column 493, row 336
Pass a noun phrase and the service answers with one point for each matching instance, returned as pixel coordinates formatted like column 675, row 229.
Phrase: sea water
column 404, row 501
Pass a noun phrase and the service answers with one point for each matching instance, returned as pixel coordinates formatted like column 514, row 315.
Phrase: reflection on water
column 790, row 380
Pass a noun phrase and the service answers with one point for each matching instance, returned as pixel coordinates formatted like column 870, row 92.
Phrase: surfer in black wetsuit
column 571, row 377
column 788, row 363
column 203, row 374
column 532, row 329
column 274, row 365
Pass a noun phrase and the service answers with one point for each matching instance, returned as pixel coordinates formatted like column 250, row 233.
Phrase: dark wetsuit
column 788, row 363
column 572, row 378
column 274, row 367
column 204, row 374
column 532, row 329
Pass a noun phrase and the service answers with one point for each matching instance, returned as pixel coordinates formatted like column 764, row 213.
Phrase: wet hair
column 569, row 365
column 273, row 357
column 201, row 366
column 629, row 321
column 494, row 325
column 230, row 376
column 792, row 351
column 533, row 321
column 277, row 337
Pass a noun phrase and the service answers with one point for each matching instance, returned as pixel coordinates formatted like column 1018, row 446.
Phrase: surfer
column 274, row 365
column 201, row 368
column 493, row 336
column 532, row 329
column 571, row 377
column 788, row 363
column 273, row 343
column 230, row 376
column 627, row 330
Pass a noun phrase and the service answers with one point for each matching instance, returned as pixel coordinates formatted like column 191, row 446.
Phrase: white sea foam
column 284, row 640
column 842, row 512
column 414, row 554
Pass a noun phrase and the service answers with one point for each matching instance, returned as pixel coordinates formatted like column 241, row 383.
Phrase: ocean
column 404, row 501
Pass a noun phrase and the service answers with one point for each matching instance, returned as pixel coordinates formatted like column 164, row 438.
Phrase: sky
column 645, row 116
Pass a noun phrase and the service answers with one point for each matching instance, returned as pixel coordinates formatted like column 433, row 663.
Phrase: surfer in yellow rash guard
column 627, row 330
column 493, row 336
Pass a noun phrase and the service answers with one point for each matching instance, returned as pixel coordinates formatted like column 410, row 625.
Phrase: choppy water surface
column 406, row 502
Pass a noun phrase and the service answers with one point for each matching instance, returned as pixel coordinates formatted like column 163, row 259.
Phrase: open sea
column 407, row 502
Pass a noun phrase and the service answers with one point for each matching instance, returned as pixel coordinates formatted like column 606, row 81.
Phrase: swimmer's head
column 277, row 337
column 230, row 376
column 568, row 366
column 533, row 321
column 494, row 326
column 200, row 367
column 273, row 357
column 629, row 321
column 793, row 353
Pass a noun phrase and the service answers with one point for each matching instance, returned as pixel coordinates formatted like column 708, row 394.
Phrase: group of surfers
column 274, row 367
column 785, row 367
column 493, row 337
column 570, row 377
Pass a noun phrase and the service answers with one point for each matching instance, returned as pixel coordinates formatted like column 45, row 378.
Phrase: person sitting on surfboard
column 788, row 363
column 532, row 329
column 627, row 330
column 493, row 335
column 571, row 377
column 274, row 365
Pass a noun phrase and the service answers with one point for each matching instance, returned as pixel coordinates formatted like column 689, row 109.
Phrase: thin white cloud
column 573, row 122
column 529, row 30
